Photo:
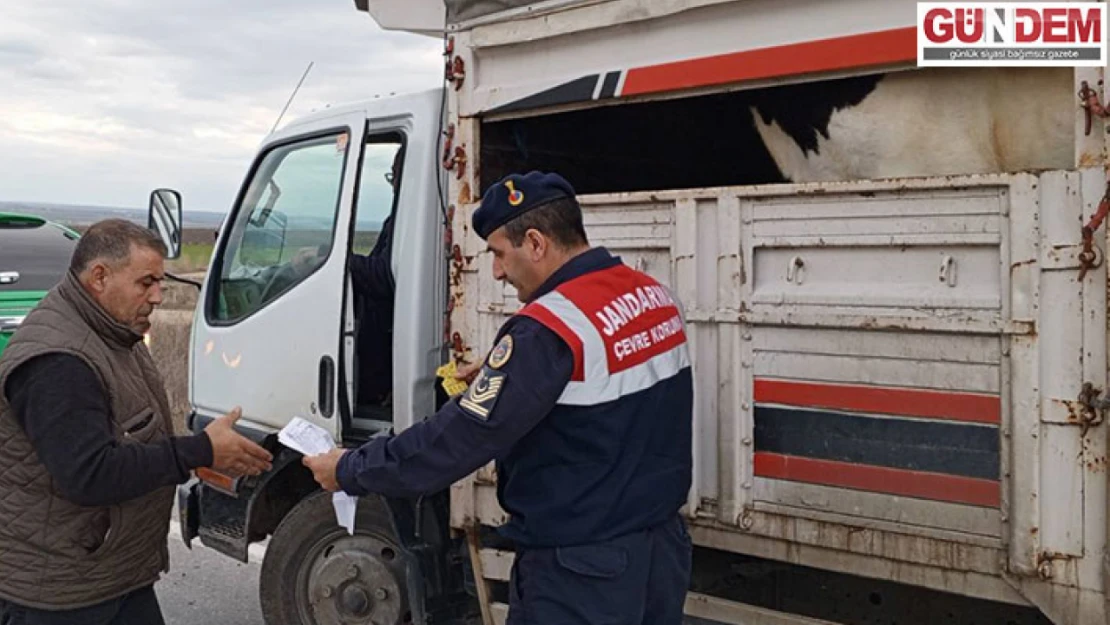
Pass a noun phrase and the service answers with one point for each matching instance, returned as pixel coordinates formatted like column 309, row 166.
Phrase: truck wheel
column 315, row 573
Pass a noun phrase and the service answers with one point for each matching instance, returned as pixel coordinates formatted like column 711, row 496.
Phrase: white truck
column 893, row 280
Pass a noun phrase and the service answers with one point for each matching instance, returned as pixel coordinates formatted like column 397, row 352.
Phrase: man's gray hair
column 110, row 240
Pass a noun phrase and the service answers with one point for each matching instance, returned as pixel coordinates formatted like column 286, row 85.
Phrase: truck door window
column 375, row 193
column 372, row 275
column 283, row 230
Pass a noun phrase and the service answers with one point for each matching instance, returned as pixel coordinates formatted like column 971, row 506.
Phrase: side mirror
column 164, row 218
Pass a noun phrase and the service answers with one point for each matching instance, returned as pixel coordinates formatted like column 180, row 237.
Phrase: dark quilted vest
column 55, row 554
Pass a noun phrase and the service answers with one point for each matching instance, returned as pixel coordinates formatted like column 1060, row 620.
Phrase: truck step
column 229, row 529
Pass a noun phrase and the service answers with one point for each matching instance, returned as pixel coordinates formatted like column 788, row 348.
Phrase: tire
column 315, row 573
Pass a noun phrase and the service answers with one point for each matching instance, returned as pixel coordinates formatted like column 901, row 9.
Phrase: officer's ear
column 536, row 244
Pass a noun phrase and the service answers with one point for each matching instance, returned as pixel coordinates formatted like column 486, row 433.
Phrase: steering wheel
column 284, row 276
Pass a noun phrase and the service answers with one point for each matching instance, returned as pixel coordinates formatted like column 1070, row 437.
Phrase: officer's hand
column 469, row 372
column 232, row 453
column 323, row 468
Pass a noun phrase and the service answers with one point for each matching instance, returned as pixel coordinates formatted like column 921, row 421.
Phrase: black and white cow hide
column 920, row 123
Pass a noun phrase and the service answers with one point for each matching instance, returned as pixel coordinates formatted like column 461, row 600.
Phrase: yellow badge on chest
column 502, row 352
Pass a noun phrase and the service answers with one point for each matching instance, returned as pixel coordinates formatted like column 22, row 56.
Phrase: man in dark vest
column 585, row 402
column 88, row 460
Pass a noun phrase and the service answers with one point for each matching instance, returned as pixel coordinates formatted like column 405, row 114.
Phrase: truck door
column 268, row 328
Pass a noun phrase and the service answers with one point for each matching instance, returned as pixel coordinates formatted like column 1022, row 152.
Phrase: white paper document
column 311, row 440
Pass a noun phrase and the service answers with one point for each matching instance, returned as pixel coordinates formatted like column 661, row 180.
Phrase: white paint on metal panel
column 706, row 254
column 898, row 345
column 730, row 270
column 1062, row 503
column 1061, row 326
column 884, row 240
column 1092, row 186
column 971, row 571
column 683, row 253
column 709, row 405
column 896, row 224
column 904, row 514
column 879, row 371
column 968, row 322
column 938, row 202
column 912, row 277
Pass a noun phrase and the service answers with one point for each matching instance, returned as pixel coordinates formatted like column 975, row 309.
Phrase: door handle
column 326, row 386
column 795, row 270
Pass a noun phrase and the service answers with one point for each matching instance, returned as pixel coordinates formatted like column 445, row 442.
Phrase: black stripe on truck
column 964, row 449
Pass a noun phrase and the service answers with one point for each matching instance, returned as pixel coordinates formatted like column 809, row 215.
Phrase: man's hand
column 305, row 259
column 469, row 372
column 232, row 453
column 323, row 468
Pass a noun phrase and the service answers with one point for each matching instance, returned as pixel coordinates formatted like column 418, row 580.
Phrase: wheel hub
column 351, row 581
column 356, row 601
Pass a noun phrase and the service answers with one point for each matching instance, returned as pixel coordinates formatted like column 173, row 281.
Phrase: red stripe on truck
column 917, row 484
column 873, row 49
column 903, row 402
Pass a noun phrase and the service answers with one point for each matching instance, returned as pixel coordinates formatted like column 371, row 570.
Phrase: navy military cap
column 516, row 194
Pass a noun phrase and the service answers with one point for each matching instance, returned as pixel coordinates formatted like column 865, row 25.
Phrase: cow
column 923, row 122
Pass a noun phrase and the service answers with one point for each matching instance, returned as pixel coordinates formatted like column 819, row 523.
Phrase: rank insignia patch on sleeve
column 482, row 395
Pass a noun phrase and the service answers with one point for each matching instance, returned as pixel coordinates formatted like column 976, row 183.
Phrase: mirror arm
column 184, row 280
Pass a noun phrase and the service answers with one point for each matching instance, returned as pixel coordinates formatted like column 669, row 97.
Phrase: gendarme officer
column 585, row 401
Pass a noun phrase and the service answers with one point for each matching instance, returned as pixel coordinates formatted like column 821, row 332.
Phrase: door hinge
column 1090, row 257
column 1066, row 257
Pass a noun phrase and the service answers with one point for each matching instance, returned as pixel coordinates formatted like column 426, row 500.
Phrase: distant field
column 194, row 258
column 196, row 250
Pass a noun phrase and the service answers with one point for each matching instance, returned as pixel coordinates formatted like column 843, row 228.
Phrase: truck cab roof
column 382, row 106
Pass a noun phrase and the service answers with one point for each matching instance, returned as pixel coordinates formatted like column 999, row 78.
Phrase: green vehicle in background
column 34, row 256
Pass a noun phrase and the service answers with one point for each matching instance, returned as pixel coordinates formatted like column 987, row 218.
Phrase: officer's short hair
column 110, row 240
column 559, row 220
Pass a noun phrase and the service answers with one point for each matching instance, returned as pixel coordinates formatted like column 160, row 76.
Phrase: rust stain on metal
column 460, row 159
column 1072, row 409
column 1097, row 464
column 1087, row 159
column 465, row 196
column 456, row 265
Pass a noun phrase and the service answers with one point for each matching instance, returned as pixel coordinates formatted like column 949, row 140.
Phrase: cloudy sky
column 103, row 100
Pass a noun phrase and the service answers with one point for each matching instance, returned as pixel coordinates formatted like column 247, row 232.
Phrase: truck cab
column 288, row 322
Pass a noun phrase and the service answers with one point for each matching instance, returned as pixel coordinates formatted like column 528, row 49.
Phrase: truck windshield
column 34, row 254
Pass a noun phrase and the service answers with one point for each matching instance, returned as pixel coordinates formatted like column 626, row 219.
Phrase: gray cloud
column 102, row 101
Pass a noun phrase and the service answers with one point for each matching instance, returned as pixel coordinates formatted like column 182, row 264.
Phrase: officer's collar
column 593, row 259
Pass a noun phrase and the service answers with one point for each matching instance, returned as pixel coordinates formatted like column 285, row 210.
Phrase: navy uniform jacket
column 372, row 279
column 565, row 475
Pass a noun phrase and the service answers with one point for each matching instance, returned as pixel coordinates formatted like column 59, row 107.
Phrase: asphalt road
column 205, row 587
